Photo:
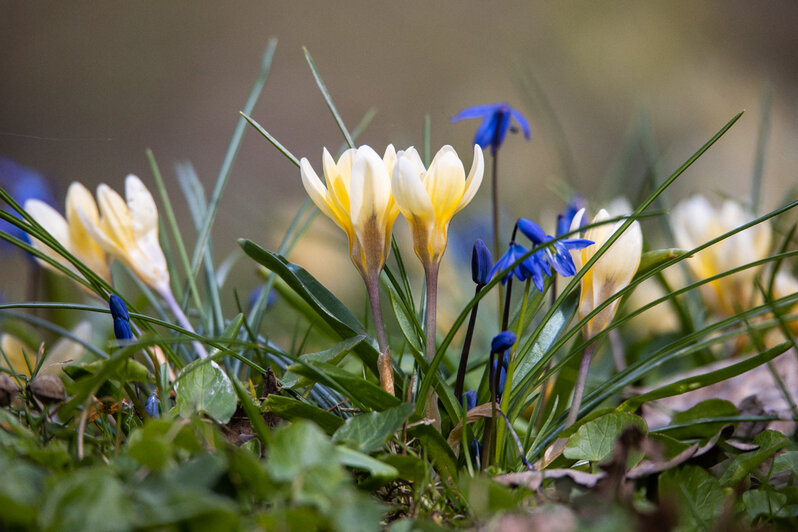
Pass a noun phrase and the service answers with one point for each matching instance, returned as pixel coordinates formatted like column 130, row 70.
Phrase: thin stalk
column 579, row 387
column 430, row 324
column 496, row 229
column 182, row 319
column 461, row 370
column 487, row 437
column 384, row 363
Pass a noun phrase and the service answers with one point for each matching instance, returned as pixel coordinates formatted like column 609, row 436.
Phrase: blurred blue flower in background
column 495, row 123
column 22, row 183
column 564, row 218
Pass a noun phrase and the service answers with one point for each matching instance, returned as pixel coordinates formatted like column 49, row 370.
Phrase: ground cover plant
column 631, row 366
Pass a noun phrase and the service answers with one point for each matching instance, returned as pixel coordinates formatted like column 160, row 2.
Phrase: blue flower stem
column 384, row 362
column 430, row 324
column 579, row 387
column 461, row 370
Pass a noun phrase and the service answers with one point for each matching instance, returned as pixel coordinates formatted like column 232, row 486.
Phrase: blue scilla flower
column 475, row 448
column 502, row 342
column 22, row 184
column 565, row 218
column 481, row 263
column 534, row 266
column 495, row 123
column 122, row 330
column 560, row 259
column 152, row 406
column 469, row 399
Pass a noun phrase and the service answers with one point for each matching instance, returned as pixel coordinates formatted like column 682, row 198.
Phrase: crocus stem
column 384, row 362
column 579, row 387
column 431, row 275
column 461, row 370
column 182, row 319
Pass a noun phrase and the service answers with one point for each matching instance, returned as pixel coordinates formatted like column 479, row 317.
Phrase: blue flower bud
column 122, row 329
column 118, row 308
column 502, row 377
column 470, row 399
column 481, row 263
column 476, row 452
column 152, row 406
column 502, row 342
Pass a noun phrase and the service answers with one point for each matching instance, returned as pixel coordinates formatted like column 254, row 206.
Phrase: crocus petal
column 52, row 222
column 316, row 190
column 474, row 179
column 141, row 205
column 409, row 192
column 370, row 189
column 445, row 183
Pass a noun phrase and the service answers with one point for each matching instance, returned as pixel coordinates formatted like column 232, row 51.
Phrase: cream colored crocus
column 72, row 231
column 696, row 221
column 357, row 196
column 429, row 198
column 612, row 272
column 127, row 229
column 21, row 358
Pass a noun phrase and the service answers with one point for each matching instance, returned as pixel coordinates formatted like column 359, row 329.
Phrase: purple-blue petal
column 487, row 131
column 576, row 243
column 521, row 122
column 532, row 231
column 476, row 111
column 502, row 342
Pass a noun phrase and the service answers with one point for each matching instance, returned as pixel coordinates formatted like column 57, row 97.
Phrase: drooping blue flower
column 122, row 330
column 502, row 342
column 22, row 184
column 560, row 259
column 152, row 406
column 475, row 448
column 470, row 399
column 567, row 215
column 495, row 123
column 481, row 263
column 534, row 266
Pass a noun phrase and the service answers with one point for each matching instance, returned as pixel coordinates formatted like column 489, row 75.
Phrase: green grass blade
column 327, row 98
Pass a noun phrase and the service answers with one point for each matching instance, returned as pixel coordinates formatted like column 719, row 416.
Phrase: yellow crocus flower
column 64, row 351
column 612, row 272
column 695, row 221
column 429, row 198
column 358, row 198
column 72, row 232
column 128, row 231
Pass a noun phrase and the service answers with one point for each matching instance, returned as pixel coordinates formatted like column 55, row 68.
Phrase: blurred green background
column 87, row 87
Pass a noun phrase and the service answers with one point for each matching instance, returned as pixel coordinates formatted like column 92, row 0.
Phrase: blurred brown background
column 86, row 87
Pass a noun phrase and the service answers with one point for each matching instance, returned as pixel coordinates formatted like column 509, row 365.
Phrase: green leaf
column 769, row 443
column 87, row 499
column 697, row 494
column 529, row 359
column 364, row 394
column 333, row 355
column 767, row 503
column 694, row 418
column 699, row 381
column 437, row 449
column 21, row 485
column 358, row 460
column 405, row 322
column 656, row 257
column 369, row 432
column 784, row 462
column 204, row 387
column 594, row 441
column 298, row 448
column 321, row 300
column 292, row 409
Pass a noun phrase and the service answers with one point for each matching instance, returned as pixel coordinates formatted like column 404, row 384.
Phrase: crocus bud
column 502, row 342
column 481, row 263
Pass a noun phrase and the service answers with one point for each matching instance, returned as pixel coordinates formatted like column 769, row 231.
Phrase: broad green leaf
column 291, row 409
column 594, row 441
column 333, row 355
column 21, row 485
column 769, row 443
column 376, row 468
column 297, row 449
column 86, row 499
column 369, row 432
column 656, row 257
column 205, row 388
column 323, row 302
column 437, row 449
column 529, row 360
column 786, row 462
column 364, row 394
column 486, row 497
column 697, row 494
column 764, row 503
column 696, row 419
column 405, row 323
